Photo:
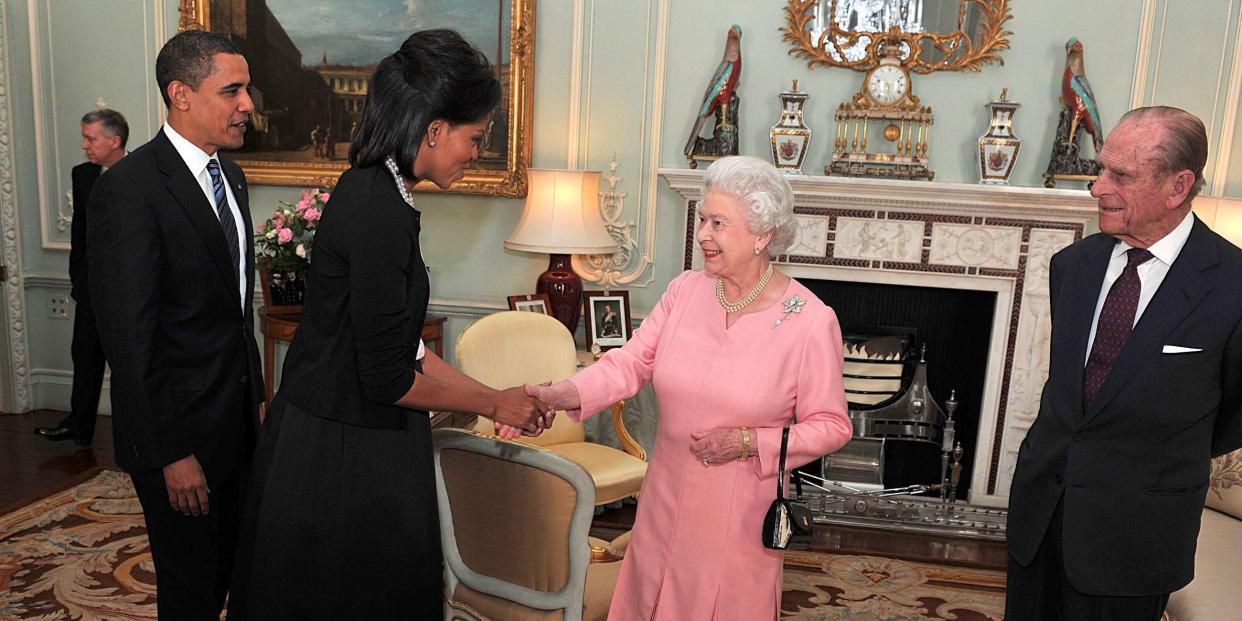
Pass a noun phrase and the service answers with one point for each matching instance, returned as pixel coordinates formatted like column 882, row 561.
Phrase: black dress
column 341, row 521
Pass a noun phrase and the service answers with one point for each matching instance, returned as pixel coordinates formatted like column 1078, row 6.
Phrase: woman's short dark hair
column 435, row 75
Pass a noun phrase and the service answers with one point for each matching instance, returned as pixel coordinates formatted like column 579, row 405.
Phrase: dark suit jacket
column 354, row 353
column 84, row 176
column 186, row 377
column 1133, row 469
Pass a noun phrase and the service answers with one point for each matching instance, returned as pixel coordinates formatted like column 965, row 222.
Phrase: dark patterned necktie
column 1114, row 326
column 224, row 213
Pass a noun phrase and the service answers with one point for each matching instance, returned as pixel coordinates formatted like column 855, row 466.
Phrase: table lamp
column 561, row 217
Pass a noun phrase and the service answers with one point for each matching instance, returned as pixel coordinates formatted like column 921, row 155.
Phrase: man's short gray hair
column 112, row 121
column 763, row 190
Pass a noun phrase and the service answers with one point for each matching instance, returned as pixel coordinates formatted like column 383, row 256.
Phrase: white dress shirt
column 1150, row 274
column 196, row 160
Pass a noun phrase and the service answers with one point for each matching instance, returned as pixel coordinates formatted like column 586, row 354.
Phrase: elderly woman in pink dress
column 736, row 353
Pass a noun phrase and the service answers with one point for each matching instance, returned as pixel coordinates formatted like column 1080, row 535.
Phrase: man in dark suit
column 172, row 266
column 104, row 135
column 1144, row 388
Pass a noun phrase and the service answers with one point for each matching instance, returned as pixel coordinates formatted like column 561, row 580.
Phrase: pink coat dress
column 695, row 550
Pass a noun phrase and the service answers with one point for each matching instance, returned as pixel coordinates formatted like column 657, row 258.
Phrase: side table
column 280, row 327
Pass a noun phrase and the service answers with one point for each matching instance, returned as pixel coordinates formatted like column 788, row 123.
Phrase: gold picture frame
column 924, row 52
column 501, row 174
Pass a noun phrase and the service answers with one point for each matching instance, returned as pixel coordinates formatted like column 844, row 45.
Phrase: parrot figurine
column 1078, row 97
column 720, row 89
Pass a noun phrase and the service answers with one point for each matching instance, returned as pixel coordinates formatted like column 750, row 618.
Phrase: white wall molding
column 1143, row 54
column 637, row 269
column 44, row 95
column 573, row 121
column 16, row 382
column 1224, row 149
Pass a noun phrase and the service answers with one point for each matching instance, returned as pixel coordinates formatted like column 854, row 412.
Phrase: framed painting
column 532, row 302
column 608, row 318
column 311, row 62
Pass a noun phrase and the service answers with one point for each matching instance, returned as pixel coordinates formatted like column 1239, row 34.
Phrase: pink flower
column 324, row 197
column 310, row 215
column 285, row 236
column 308, row 195
column 303, row 204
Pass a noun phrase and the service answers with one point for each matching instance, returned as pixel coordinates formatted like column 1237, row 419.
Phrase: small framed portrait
column 533, row 302
column 608, row 318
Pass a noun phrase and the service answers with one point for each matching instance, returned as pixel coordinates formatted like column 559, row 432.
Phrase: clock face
column 887, row 84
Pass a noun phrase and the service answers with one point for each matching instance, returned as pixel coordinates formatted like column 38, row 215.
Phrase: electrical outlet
column 60, row 307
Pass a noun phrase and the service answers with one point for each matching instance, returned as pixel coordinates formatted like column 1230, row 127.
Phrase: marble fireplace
column 994, row 239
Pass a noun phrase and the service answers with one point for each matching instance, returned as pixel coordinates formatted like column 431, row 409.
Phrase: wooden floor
column 32, row 467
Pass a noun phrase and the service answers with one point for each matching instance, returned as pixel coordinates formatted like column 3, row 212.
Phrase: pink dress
column 695, row 550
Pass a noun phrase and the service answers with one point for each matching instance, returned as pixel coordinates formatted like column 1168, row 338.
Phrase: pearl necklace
column 396, row 176
column 733, row 307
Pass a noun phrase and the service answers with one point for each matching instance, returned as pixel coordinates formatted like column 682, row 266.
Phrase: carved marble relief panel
column 886, row 240
column 1030, row 355
column 976, row 246
column 811, row 240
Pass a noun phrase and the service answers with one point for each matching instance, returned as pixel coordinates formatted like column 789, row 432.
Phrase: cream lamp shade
column 561, row 215
column 1221, row 214
column 562, row 218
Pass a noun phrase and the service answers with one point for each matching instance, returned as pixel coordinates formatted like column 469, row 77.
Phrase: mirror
column 933, row 35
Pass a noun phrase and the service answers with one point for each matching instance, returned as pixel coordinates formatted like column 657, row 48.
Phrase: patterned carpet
column 869, row 588
column 82, row 554
column 78, row 554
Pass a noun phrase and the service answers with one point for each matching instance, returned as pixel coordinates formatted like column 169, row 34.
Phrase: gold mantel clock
column 883, row 106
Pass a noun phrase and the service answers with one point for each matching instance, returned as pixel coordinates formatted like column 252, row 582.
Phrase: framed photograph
column 310, row 70
column 533, row 302
column 608, row 318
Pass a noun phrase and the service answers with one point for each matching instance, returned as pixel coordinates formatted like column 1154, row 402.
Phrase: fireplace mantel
column 948, row 235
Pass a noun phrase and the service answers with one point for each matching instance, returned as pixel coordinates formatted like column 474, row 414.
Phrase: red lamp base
column 564, row 289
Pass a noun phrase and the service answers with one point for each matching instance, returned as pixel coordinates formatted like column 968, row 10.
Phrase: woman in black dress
column 341, row 518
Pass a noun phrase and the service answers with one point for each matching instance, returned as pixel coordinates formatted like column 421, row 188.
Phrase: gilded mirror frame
column 960, row 52
column 509, row 182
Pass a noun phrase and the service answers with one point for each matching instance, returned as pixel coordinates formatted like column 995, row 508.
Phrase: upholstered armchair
column 1214, row 594
column 513, row 348
column 514, row 520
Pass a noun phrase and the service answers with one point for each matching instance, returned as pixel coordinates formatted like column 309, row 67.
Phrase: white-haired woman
column 736, row 352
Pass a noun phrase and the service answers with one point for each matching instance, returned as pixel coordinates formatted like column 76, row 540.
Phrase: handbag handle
column 780, row 471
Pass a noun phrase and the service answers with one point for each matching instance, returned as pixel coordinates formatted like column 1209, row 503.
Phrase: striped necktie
column 1114, row 325
column 224, row 213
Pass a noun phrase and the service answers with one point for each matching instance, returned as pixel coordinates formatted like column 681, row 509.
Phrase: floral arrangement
column 284, row 240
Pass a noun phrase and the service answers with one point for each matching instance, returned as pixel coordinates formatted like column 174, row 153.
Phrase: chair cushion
column 601, row 581
column 1213, row 594
column 1225, row 493
column 616, row 474
column 491, row 608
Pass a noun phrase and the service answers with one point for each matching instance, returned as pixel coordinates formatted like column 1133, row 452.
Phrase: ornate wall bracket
column 626, row 265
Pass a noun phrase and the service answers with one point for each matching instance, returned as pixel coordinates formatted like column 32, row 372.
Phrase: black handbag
column 788, row 522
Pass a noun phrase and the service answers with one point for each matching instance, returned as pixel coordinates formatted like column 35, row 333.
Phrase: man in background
column 172, row 281
column 104, row 136
column 1144, row 389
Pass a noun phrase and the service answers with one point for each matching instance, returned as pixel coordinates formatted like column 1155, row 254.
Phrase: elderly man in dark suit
column 172, row 266
column 104, row 135
column 1144, row 388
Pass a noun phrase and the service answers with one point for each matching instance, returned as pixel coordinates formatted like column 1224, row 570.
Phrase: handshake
column 529, row 410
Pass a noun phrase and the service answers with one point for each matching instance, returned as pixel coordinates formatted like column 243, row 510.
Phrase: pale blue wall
column 106, row 49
